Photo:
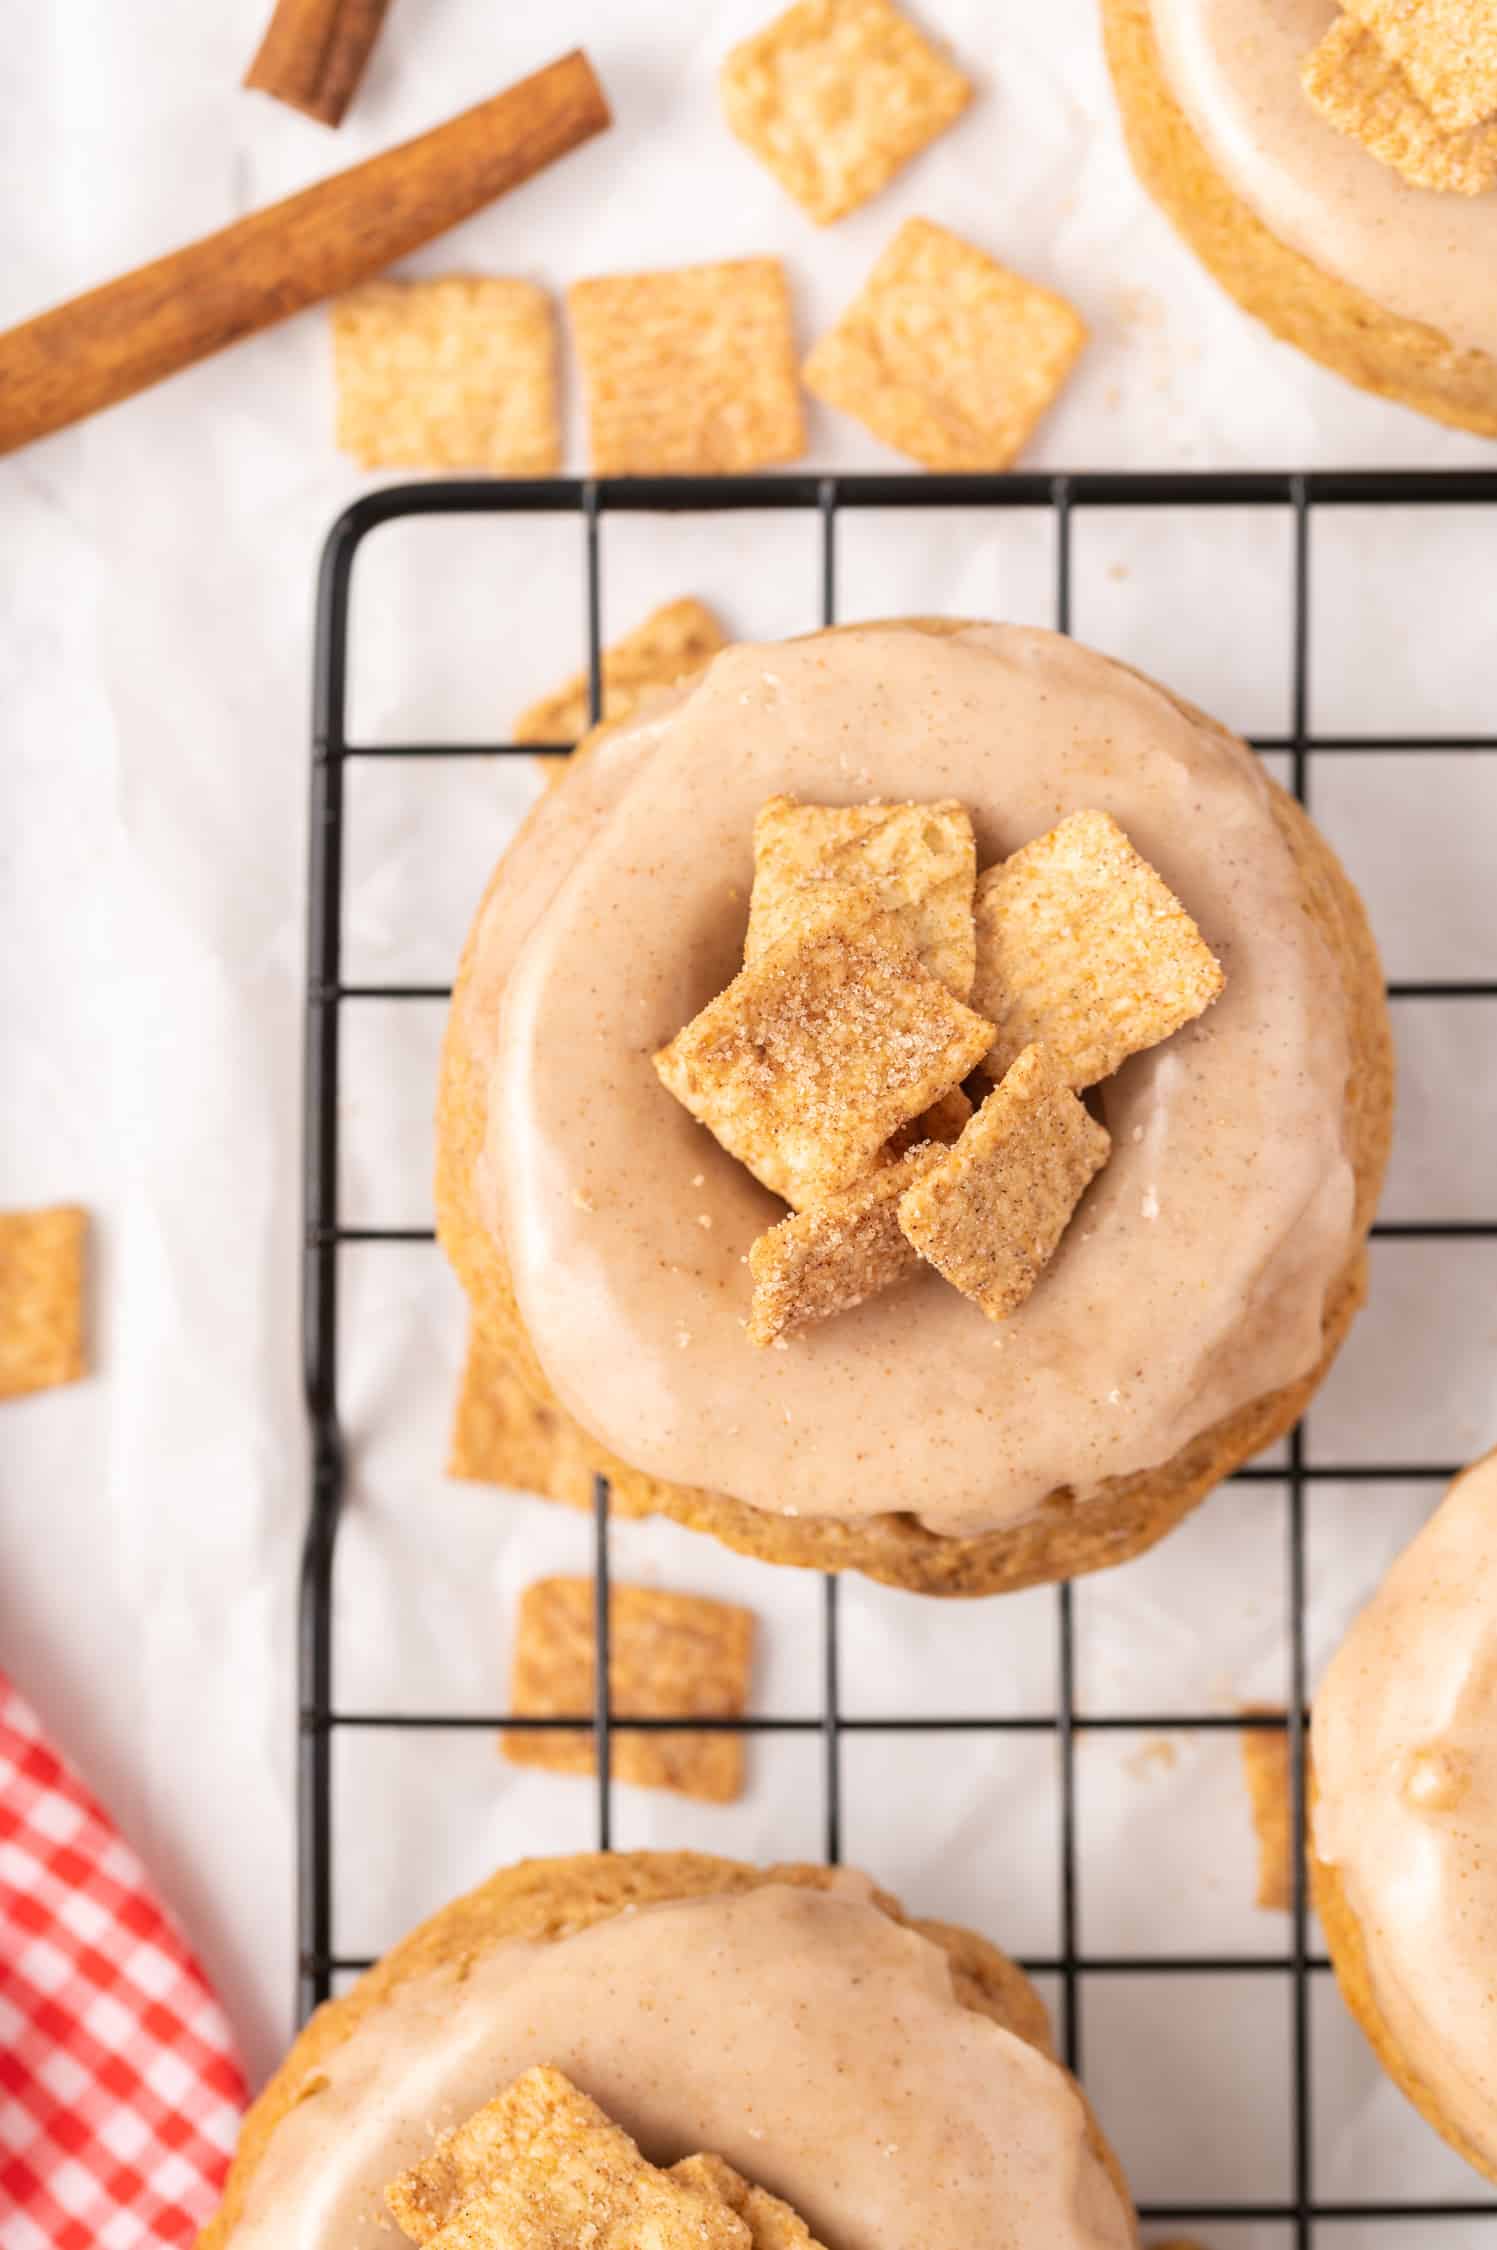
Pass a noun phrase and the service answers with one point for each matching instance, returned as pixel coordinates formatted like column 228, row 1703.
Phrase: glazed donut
column 890, row 2079
column 1404, row 1825
column 601, row 1234
column 1388, row 283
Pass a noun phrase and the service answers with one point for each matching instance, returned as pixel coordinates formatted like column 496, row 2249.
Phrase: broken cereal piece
column 820, row 1049
column 831, row 1256
column 1265, row 1769
column 41, row 1299
column 542, row 2168
column 457, row 373
column 1083, row 948
column 1358, row 87
column 989, row 1213
column 919, row 861
column 1446, row 48
column 689, row 371
column 945, row 354
column 670, row 1656
column 836, row 96
column 502, row 1435
column 674, row 641
column 772, row 2224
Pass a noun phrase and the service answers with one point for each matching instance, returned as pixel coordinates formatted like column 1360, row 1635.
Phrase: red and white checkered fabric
column 120, row 2094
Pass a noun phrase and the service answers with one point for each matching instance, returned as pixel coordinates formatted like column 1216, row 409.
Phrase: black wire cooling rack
column 321, row 1717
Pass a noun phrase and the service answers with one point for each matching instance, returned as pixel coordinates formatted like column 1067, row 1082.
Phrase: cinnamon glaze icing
column 1405, row 1746
column 1233, row 66
column 815, row 2043
column 1194, row 1275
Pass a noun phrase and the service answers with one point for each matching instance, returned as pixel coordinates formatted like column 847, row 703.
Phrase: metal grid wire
column 321, row 1717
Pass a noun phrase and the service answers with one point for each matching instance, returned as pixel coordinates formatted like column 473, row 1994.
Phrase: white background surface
column 155, row 662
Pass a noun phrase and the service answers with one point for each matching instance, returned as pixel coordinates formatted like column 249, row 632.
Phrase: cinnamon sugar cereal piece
column 1358, row 87
column 836, row 96
column 989, row 1213
column 1265, row 1769
column 689, row 371
column 501, row 1435
column 772, row 2224
column 674, row 640
column 821, row 1048
column 945, row 354
column 1082, row 946
column 458, row 373
column 1448, row 50
column 945, row 1121
column 670, row 1656
column 542, row 2168
column 41, row 1299
column 919, row 861
column 831, row 1256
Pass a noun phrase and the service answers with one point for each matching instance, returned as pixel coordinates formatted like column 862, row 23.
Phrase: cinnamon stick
column 116, row 340
column 313, row 54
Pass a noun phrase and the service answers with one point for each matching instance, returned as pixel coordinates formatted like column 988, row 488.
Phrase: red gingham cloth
column 120, row 2094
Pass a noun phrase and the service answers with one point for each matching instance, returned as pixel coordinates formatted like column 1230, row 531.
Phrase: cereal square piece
column 831, row 1256
column 919, row 861
column 674, row 640
column 1447, row 49
column 670, row 1655
column 820, row 1049
column 542, row 2168
column 836, row 96
column 945, row 354
column 1265, row 1769
column 772, row 2224
column 989, row 1213
column 1082, row 947
column 691, row 371
column 41, row 1299
column 1358, row 87
column 502, row 1435
column 458, row 373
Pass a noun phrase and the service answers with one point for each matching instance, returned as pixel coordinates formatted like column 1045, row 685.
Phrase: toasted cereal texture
column 41, row 1299
column 945, row 354
column 690, row 371
column 989, row 1213
column 466, row 2159
column 502, row 1435
column 771, row 2223
column 920, row 862
column 1082, row 947
column 1358, row 87
column 670, row 1655
column 1448, row 50
column 836, row 96
column 674, row 640
column 945, row 1121
column 1265, row 1769
column 820, row 1049
column 457, row 373
column 831, row 1256
column 542, row 2168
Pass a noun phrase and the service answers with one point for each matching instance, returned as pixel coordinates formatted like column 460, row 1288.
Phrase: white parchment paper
column 155, row 659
